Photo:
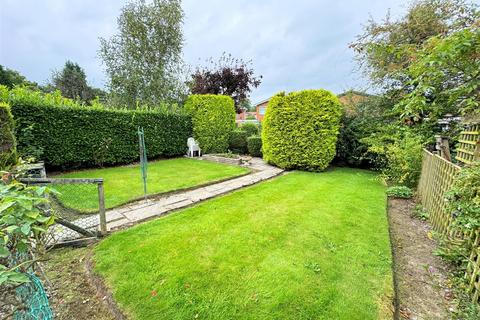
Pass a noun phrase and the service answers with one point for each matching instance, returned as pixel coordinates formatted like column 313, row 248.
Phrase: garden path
column 135, row 212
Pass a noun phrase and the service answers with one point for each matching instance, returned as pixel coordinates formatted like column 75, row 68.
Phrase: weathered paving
column 136, row 212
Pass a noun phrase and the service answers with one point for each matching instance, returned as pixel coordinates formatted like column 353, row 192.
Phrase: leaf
column 4, row 252
column 26, row 229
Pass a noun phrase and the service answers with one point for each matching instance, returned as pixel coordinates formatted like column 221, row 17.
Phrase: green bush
column 71, row 135
column 400, row 192
column 238, row 141
column 254, row 146
column 300, row 129
column 399, row 154
column 251, row 129
column 8, row 149
column 213, row 118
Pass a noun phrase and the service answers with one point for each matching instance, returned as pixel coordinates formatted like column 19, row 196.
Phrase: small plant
column 420, row 212
column 400, row 192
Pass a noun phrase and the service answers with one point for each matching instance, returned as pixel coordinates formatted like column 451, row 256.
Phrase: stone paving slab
column 146, row 209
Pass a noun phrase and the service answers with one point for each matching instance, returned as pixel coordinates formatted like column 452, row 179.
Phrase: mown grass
column 301, row 246
column 124, row 184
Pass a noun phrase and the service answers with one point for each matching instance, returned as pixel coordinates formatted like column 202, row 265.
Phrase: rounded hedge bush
column 254, row 145
column 8, row 151
column 251, row 129
column 300, row 129
column 213, row 119
column 238, row 141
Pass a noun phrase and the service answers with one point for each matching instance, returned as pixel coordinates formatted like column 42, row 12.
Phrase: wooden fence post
column 101, row 209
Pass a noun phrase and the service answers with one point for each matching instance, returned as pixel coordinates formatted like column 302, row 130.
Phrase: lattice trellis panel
column 437, row 178
column 468, row 148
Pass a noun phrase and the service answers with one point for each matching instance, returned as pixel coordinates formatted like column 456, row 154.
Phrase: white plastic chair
column 193, row 147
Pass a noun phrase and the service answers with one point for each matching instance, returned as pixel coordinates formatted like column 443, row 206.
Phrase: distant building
column 348, row 98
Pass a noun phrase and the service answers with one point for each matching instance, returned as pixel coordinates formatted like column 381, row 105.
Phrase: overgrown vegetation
column 23, row 225
column 8, row 144
column 300, row 129
column 68, row 135
column 213, row 119
column 400, row 192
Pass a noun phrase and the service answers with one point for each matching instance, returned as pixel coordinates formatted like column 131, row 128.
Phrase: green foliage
column 23, row 224
column 386, row 49
column 11, row 78
column 399, row 154
column 400, row 192
column 72, row 82
column 445, row 78
column 251, row 129
column 300, row 129
column 68, row 135
column 464, row 198
column 238, row 141
column 213, row 118
column 8, row 145
column 421, row 213
column 254, row 145
column 365, row 119
column 143, row 60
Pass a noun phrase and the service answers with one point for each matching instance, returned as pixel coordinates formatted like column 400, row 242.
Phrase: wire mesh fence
column 78, row 205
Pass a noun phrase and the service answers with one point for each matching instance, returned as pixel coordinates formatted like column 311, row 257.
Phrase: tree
column 72, row 82
column 386, row 49
column 11, row 78
column 445, row 78
column 143, row 61
column 228, row 76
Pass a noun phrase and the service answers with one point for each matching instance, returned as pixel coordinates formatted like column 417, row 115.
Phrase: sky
column 294, row 45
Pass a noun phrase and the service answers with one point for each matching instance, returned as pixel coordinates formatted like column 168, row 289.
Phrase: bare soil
column 423, row 290
column 70, row 293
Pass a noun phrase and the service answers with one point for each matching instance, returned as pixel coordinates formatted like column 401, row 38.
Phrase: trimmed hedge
column 71, row 135
column 254, row 145
column 251, row 128
column 8, row 151
column 300, row 129
column 238, row 141
column 213, row 118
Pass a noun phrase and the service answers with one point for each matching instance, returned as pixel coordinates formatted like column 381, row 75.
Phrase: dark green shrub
column 70, row 135
column 300, row 129
column 250, row 128
column 213, row 118
column 8, row 150
column 400, row 192
column 254, row 146
column 238, row 141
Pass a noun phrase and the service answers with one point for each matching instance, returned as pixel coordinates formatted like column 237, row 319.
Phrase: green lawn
column 301, row 246
column 123, row 184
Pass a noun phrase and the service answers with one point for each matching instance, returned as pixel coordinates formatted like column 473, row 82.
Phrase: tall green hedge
column 70, row 135
column 300, row 129
column 213, row 118
column 8, row 151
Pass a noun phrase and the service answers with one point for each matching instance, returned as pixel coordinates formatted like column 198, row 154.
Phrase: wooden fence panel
column 468, row 148
column 436, row 179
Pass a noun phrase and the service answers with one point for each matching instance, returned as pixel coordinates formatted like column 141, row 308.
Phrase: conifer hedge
column 300, row 129
column 213, row 118
column 69, row 135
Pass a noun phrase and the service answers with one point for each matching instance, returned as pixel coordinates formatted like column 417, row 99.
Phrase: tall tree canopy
column 72, row 82
column 386, row 49
column 143, row 60
column 227, row 76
